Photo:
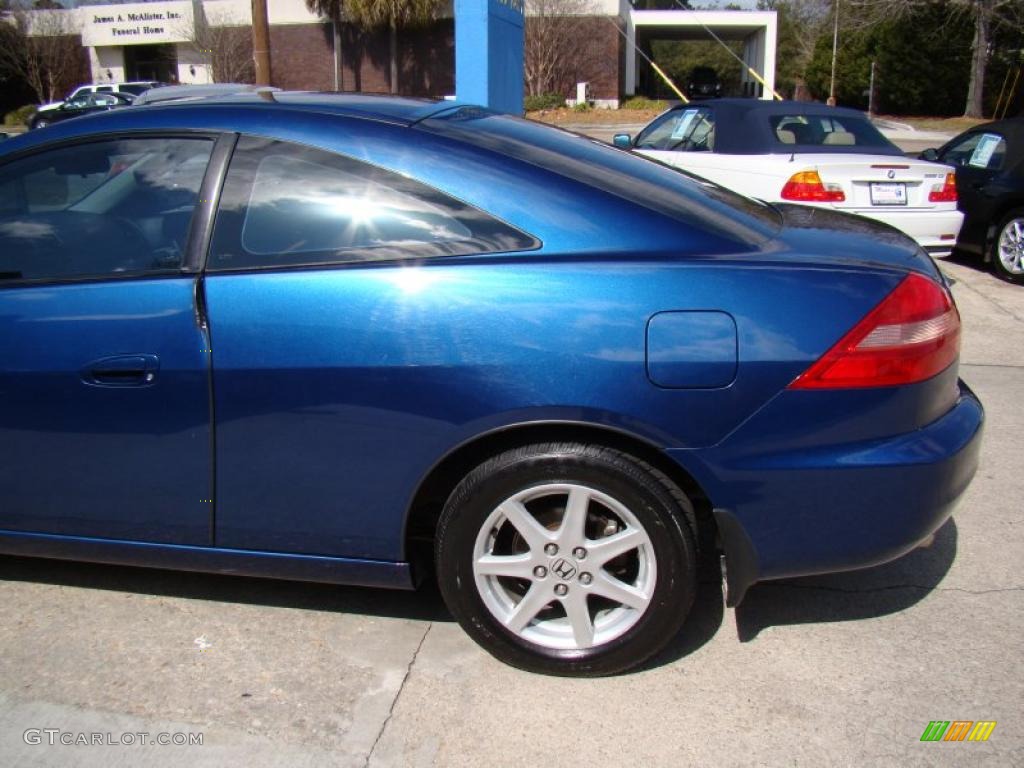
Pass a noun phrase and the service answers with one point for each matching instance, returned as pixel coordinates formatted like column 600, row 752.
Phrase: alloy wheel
column 564, row 566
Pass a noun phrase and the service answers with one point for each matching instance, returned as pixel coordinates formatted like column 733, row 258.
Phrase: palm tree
column 373, row 14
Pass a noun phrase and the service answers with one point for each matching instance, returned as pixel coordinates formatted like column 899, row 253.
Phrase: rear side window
column 826, row 131
column 100, row 209
column 979, row 150
column 290, row 205
column 631, row 176
column 682, row 130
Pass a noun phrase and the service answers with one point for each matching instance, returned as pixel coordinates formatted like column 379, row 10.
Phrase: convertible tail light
column 911, row 336
column 944, row 193
column 807, row 187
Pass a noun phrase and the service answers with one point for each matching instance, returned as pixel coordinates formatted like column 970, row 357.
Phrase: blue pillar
column 489, row 53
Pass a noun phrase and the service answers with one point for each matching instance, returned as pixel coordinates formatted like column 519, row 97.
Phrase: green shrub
column 544, row 101
column 581, row 106
column 642, row 102
column 20, row 116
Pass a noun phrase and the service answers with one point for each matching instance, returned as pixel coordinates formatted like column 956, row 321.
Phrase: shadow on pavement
column 969, row 260
column 849, row 596
column 425, row 604
column 705, row 617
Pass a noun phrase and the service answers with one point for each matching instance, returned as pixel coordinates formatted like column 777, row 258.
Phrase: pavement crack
column 398, row 694
column 991, row 301
column 888, row 588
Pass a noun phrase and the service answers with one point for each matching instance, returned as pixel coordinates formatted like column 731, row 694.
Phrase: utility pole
column 835, row 51
column 261, row 42
column 871, row 92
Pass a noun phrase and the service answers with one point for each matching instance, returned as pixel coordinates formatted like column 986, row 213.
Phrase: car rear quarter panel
column 337, row 390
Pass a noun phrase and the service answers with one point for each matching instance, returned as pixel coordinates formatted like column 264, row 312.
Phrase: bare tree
column 36, row 47
column 984, row 15
column 225, row 41
column 556, row 40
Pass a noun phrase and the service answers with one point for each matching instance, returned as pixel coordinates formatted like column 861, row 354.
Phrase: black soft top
column 744, row 127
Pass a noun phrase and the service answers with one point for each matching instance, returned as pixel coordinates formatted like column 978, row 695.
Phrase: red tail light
column 911, row 336
column 944, row 193
column 807, row 187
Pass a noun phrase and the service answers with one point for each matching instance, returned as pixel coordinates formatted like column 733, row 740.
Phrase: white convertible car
column 797, row 152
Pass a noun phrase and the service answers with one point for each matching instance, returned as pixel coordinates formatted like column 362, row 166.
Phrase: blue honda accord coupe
column 371, row 341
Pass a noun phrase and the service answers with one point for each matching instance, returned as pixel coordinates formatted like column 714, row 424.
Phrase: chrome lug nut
column 551, row 549
column 579, row 553
column 586, row 578
column 540, row 571
column 561, row 590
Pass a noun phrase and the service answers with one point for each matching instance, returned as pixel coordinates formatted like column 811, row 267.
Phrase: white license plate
column 888, row 193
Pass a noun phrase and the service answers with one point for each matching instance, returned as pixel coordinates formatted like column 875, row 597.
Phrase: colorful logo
column 958, row 730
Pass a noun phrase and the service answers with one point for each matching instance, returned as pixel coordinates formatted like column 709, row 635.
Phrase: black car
column 83, row 104
column 703, row 84
column 989, row 162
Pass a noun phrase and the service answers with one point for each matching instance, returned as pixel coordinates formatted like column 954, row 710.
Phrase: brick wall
column 302, row 58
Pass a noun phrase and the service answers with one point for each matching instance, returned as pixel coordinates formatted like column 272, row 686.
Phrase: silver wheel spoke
column 516, row 566
column 619, row 591
column 572, row 530
column 579, row 618
column 517, row 514
column 603, row 550
column 533, row 601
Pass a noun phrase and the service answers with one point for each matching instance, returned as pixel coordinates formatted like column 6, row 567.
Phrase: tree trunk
column 979, row 58
column 339, row 81
column 393, row 38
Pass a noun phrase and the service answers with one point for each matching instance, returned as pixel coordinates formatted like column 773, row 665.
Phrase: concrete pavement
column 839, row 670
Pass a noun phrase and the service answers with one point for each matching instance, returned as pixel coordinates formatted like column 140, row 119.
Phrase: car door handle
column 122, row 371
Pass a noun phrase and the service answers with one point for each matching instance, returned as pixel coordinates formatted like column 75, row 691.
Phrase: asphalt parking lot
column 840, row 670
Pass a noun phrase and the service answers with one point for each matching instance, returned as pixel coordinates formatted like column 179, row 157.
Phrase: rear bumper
column 838, row 507
column 935, row 231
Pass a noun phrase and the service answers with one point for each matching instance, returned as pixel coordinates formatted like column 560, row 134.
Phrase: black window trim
column 353, row 262
column 201, row 225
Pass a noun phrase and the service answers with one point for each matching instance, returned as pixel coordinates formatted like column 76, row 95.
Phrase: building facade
column 202, row 41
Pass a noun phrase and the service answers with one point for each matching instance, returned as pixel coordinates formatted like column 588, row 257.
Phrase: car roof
column 741, row 126
column 1011, row 127
column 401, row 110
column 228, row 112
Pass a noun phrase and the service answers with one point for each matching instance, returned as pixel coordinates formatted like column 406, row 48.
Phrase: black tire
column 1014, row 218
column 658, row 506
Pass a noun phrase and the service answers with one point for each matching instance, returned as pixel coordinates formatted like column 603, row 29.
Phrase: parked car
column 703, row 84
column 989, row 163
column 133, row 88
column 177, row 93
column 810, row 154
column 83, row 104
column 258, row 335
